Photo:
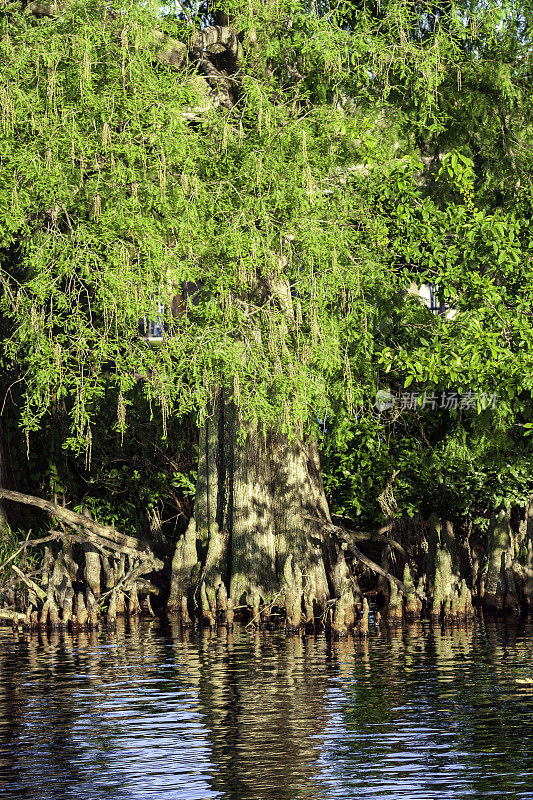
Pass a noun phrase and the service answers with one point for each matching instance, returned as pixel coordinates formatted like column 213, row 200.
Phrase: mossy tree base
column 256, row 541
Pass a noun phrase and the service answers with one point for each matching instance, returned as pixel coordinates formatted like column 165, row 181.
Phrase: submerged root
column 348, row 598
column 413, row 600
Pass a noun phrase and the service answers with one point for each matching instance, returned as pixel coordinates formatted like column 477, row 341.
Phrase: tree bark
column 500, row 591
column 528, row 583
column 4, row 522
column 257, row 537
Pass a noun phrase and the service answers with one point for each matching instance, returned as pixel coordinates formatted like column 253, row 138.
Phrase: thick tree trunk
column 500, row 590
column 297, row 499
column 528, row 584
column 3, row 483
column 254, row 540
column 249, row 515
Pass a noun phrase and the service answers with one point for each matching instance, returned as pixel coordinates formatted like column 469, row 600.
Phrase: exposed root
column 362, row 628
column 394, row 609
column 62, row 599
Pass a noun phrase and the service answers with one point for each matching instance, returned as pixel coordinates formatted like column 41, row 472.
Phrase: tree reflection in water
column 151, row 711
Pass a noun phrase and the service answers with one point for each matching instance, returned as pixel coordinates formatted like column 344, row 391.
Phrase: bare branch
column 29, row 583
column 100, row 535
column 348, row 536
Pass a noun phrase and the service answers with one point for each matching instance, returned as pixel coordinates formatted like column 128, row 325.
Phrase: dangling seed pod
column 97, row 206
column 106, row 136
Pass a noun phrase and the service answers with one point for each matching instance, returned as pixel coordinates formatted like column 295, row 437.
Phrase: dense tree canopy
column 124, row 176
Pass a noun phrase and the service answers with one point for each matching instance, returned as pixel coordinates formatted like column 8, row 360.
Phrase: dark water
column 151, row 713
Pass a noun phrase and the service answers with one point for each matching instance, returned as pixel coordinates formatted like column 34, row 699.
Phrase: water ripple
column 150, row 712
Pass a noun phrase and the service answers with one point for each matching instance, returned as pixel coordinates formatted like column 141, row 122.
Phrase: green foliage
column 138, row 480
column 464, row 462
column 110, row 196
column 304, row 212
column 10, row 546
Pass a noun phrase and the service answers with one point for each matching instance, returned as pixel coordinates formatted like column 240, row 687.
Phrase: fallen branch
column 127, row 582
column 345, row 535
column 29, row 583
column 370, row 536
column 104, row 546
column 268, row 608
column 363, row 536
column 12, row 616
column 376, row 568
column 141, row 548
column 143, row 587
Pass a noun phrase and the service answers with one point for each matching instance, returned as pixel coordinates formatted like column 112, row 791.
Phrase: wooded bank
column 94, row 574
column 302, row 167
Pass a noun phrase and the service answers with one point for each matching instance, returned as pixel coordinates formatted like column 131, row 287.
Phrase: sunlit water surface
column 150, row 712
